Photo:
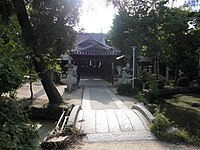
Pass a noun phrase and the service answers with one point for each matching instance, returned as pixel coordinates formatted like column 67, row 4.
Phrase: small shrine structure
column 94, row 57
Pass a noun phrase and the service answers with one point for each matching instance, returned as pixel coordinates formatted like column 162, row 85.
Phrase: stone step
column 120, row 136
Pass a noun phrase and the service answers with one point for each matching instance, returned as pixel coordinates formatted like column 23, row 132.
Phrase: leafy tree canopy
column 157, row 30
column 53, row 23
column 47, row 31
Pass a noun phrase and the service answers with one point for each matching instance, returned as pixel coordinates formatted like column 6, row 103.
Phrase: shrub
column 16, row 131
column 160, row 123
column 164, row 129
column 145, row 75
column 160, row 84
column 183, row 82
column 160, row 77
column 151, row 80
column 126, row 89
column 10, row 79
column 181, row 136
column 196, row 138
column 162, row 93
column 138, row 84
column 141, row 98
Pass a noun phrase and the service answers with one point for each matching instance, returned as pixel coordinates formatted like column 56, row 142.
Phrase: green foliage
column 165, row 130
column 183, row 82
column 16, row 131
column 161, row 32
column 162, row 93
column 182, row 136
column 152, row 81
column 156, row 82
column 141, row 98
column 48, row 32
column 138, row 84
column 10, row 79
column 6, row 11
column 160, row 84
column 160, row 123
column 126, row 89
column 196, row 138
column 53, row 23
column 145, row 75
column 14, row 61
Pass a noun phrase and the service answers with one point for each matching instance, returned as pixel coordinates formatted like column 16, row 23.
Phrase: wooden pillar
column 112, row 67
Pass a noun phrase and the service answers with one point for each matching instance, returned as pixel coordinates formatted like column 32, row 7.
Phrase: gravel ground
column 133, row 145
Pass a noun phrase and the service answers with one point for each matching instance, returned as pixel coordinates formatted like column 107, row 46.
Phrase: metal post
column 133, row 48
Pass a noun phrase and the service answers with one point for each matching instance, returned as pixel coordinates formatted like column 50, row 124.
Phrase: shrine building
column 94, row 57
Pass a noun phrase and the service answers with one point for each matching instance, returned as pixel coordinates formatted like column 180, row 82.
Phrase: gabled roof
column 88, row 42
column 91, row 46
column 99, row 37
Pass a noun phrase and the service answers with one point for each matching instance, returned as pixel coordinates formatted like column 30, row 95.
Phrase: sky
column 97, row 17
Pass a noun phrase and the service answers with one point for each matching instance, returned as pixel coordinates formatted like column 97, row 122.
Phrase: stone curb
column 144, row 112
column 73, row 115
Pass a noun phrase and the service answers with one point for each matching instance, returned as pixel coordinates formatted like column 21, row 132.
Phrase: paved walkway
column 104, row 117
column 128, row 137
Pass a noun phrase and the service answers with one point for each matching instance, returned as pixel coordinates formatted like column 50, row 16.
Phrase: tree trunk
column 156, row 66
column 31, row 89
column 167, row 74
column 56, row 78
column 50, row 89
column 176, row 75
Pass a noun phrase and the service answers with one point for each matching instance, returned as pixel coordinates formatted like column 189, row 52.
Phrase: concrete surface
column 104, row 117
column 40, row 97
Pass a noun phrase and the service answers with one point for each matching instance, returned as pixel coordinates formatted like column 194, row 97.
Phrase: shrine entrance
column 96, row 66
column 90, row 67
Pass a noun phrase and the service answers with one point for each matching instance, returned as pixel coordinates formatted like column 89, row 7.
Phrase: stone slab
column 88, row 123
column 86, row 99
column 113, row 123
column 101, row 121
column 135, row 120
column 124, row 122
column 121, row 136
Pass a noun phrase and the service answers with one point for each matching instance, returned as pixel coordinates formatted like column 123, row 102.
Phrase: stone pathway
column 104, row 117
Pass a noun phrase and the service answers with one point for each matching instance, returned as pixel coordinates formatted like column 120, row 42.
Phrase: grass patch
column 166, row 130
column 178, row 108
column 184, row 102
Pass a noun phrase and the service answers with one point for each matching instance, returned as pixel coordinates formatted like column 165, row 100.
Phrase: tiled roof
column 99, row 37
column 91, row 46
